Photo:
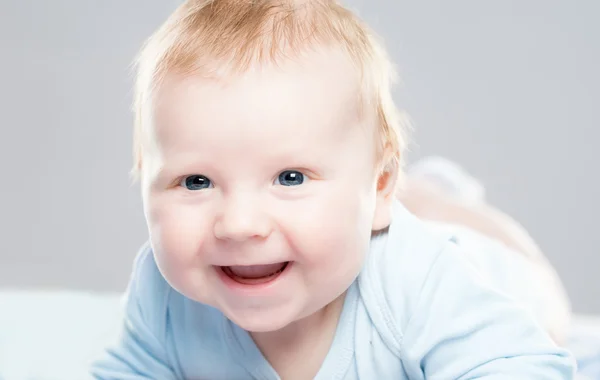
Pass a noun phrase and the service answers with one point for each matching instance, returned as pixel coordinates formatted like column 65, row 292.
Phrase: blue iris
column 197, row 182
column 291, row 178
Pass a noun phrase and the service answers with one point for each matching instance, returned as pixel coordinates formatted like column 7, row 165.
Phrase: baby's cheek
column 180, row 233
column 334, row 232
column 178, row 256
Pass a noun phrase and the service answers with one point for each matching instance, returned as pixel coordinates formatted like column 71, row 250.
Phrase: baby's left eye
column 290, row 178
column 196, row 182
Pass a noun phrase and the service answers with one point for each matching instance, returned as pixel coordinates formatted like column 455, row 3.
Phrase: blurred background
column 509, row 89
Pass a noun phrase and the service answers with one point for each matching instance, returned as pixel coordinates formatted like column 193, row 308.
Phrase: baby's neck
column 298, row 350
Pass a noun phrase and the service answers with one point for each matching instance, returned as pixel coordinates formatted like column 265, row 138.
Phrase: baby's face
column 261, row 193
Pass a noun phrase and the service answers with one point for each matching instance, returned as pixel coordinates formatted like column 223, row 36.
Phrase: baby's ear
column 386, row 193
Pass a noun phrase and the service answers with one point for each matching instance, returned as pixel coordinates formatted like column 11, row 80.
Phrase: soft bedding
column 47, row 335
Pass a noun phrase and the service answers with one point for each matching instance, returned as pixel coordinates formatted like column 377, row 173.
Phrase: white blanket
column 55, row 334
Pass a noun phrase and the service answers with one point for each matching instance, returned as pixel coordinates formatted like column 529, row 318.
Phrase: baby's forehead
column 294, row 109
column 321, row 83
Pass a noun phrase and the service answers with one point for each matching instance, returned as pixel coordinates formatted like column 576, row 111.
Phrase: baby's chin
column 262, row 324
column 262, row 320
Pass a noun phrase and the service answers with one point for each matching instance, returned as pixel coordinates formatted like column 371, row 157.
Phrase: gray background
column 510, row 89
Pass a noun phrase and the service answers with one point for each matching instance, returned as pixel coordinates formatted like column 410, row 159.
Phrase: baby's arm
column 461, row 328
column 140, row 352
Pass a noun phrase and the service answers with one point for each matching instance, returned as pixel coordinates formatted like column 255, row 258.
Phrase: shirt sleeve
column 462, row 328
column 140, row 350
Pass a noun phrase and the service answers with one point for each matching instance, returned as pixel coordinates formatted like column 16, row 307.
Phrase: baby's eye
column 290, row 178
column 196, row 182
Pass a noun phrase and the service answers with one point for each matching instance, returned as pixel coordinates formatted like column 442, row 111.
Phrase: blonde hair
column 213, row 38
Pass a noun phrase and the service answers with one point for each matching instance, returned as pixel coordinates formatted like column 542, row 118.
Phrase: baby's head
column 268, row 149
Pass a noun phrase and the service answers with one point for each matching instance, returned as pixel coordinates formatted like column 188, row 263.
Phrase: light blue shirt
column 418, row 309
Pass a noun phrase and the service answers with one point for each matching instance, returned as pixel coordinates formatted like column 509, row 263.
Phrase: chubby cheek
column 331, row 236
column 178, row 233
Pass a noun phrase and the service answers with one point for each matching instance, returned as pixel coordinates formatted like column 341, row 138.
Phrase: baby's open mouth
column 254, row 274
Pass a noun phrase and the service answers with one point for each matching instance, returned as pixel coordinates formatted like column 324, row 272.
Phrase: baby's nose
column 241, row 219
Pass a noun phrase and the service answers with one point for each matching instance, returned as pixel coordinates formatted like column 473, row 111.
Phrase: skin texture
column 241, row 134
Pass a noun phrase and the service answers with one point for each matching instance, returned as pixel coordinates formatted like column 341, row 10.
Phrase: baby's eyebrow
column 168, row 173
column 160, row 178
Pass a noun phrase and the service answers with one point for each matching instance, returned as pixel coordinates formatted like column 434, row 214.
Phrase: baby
column 269, row 151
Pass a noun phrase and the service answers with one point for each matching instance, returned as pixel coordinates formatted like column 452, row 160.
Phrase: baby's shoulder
column 400, row 263
column 148, row 293
column 404, row 254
